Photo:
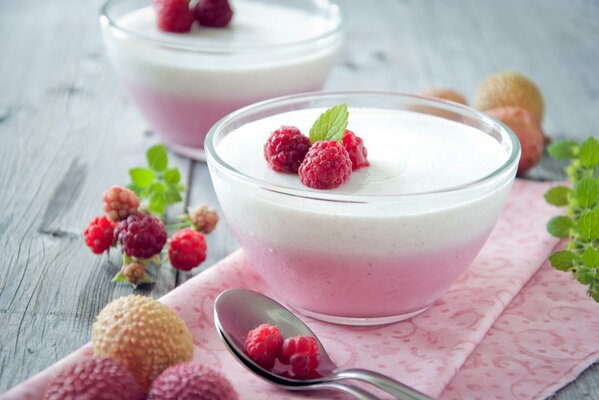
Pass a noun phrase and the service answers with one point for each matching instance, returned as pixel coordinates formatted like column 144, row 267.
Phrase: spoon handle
column 356, row 391
column 391, row 386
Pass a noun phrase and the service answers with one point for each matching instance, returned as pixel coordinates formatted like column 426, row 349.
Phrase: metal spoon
column 237, row 311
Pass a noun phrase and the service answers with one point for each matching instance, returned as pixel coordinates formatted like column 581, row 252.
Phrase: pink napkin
column 492, row 336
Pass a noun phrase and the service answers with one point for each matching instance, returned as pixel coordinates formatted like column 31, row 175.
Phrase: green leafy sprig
column 157, row 185
column 330, row 125
column 580, row 224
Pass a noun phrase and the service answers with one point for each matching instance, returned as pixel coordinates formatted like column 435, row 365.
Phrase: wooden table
column 68, row 131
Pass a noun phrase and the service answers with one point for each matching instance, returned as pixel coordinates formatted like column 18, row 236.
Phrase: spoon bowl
column 237, row 311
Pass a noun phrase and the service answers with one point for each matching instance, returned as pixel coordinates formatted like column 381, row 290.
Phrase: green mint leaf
column 172, row 176
column 119, row 277
column 172, row 197
column 141, row 177
column 584, row 275
column 135, row 189
column 562, row 260
column 587, row 191
column 157, row 157
column 558, row 196
column 588, row 225
column 157, row 188
column 330, row 125
column 157, row 204
column 594, row 291
column 589, row 153
column 563, row 150
column 560, row 226
column 590, row 258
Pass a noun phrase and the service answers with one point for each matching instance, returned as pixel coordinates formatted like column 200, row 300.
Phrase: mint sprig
column 330, row 125
column 156, row 185
column 580, row 224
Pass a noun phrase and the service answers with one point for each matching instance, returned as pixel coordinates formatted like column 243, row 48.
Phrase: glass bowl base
column 359, row 321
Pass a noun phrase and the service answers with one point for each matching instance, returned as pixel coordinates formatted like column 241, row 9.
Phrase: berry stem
column 181, row 225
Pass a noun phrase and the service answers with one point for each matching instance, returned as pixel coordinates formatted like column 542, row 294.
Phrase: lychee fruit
column 509, row 89
column 94, row 379
column 528, row 129
column 191, row 382
column 144, row 335
column 445, row 94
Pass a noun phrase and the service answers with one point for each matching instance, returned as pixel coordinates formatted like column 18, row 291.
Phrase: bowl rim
column 330, row 5
column 503, row 171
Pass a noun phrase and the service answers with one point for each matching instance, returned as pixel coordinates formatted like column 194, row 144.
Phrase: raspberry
column 214, row 13
column 99, row 234
column 119, row 203
column 141, row 235
column 357, row 152
column 302, row 353
column 285, row 149
column 174, row 15
column 134, row 272
column 263, row 345
column 203, row 218
column 94, row 379
column 326, row 166
column 191, row 381
column 187, row 249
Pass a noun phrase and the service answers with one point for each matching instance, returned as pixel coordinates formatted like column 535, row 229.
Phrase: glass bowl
column 184, row 83
column 361, row 259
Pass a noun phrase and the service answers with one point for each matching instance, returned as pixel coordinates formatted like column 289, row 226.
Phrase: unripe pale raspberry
column 134, row 272
column 119, row 203
column 204, row 218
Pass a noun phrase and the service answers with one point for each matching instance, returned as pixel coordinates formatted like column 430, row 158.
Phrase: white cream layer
column 409, row 152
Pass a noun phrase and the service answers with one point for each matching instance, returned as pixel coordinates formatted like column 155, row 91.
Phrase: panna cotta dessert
column 184, row 82
column 390, row 241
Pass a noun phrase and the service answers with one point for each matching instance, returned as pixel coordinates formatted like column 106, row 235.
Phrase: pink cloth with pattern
column 497, row 334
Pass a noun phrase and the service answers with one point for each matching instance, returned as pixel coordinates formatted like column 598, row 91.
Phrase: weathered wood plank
column 67, row 132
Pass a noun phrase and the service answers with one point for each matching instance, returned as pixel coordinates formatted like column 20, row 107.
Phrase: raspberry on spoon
column 263, row 345
column 302, row 353
column 174, row 15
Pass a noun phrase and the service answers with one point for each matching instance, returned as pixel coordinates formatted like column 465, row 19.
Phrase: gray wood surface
column 67, row 131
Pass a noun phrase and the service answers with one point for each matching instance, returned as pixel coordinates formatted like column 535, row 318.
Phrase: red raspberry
column 286, row 148
column 174, row 15
column 326, row 166
column 119, row 203
column 141, row 235
column 133, row 272
column 203, row 218
column 99, row 234
column 302, row 353
column 214, row 13
column 357, row 152
column 263, row 345
column 187, row 249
